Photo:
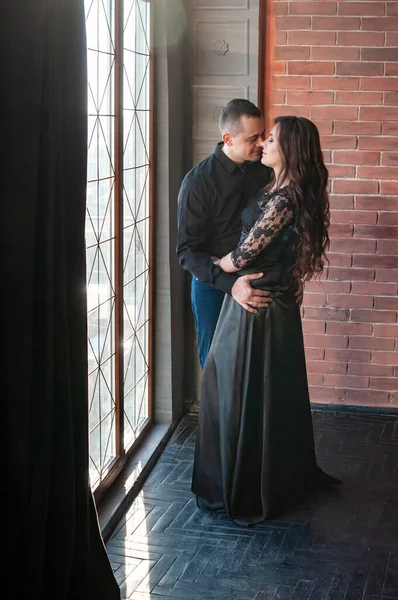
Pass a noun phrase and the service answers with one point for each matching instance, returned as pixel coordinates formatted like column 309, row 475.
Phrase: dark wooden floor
column 341, row 546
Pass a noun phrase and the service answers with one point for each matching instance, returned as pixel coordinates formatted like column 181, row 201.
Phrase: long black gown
column 255, row 454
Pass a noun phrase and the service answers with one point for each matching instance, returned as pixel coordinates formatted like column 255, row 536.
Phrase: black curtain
column 51, row 540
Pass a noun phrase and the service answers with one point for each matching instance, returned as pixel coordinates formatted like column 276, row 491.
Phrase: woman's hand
column 227, row 265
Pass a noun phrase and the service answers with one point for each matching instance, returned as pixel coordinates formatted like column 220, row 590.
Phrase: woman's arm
column 277, row 215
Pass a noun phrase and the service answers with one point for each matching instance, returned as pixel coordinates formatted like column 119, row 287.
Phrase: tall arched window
column 118, row 230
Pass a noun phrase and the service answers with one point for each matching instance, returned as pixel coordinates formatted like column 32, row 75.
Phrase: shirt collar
column 228, row 164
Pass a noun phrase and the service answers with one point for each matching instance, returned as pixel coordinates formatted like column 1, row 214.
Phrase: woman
column 255, row 454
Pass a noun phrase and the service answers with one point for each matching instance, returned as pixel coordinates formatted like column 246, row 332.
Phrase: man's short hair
column 232, row 113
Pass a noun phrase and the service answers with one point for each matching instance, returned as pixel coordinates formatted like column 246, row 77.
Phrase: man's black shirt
column 210, row 203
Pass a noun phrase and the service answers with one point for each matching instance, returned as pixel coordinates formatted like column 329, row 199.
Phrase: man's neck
column 227, row 151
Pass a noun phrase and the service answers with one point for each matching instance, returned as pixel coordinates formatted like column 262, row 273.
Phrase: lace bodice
column 264, row 221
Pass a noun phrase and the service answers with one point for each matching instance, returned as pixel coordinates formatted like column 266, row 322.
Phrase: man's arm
column 194, row 219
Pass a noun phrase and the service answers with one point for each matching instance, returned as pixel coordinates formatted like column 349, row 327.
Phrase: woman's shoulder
column 278, row 196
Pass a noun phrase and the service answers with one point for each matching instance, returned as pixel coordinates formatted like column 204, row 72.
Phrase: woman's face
column 271, row 156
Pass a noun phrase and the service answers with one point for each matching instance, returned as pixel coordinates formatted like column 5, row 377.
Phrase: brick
column 385, row 358
column 327, row 155
column 291, row 23
column 312, row 8
column 359, row 98
column 376, row 231
column 327, row 314
column 368, row 9
column 356, row 356
column 278, row 97
column 384, row 383
column 370, row 369
column 389, row 187
column 361, row 69
column 356, row 158
column 375, row 203
column 349, row 301
column 387, row 275
column 343, row 202
column 355, row 186
column 392, row 38
column 314, row 326
column 391, row 98
column 335, row 83
column 341, row 230
column 367, row 397
column 346, row 381
column 379, row 24
column 338, row 142
column 339, row 260
column 309, row 98
column 363, row 342
column 366, row 217
column 311, row 68
column 322, row 366
column 336, row 287
column 280, row 8
column 378, row 260
column 384, row 113
column 372, row 289
column 326, row 394
column 326, row 341
column 377, row 143
column 379, row 54
column 353, row 245
column 314, row 299
column 335, row 53
column 281, row 38
column 372, row 172
column 387, row 246
column 314, row 379
column 314, row 353
column 298, row 111
column 391, row 70
column 388, row 218
column 392, row 8
column 312, row 38
column 338, row 171
column 360, row 38
column 386, row 303
column 351, row 329
column 390, row 158
column 334, row 112
column 341, row 274
column 336, row 23
column 324, row 127
column 387, row 331
column 292, row 52
column 358, row 127
column 378, row 83
column 363, row 315
column 288, row 82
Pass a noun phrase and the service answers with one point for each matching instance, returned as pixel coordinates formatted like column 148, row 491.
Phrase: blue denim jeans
column 206, row 306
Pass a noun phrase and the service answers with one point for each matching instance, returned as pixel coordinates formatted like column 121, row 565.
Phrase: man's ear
column 227, row 138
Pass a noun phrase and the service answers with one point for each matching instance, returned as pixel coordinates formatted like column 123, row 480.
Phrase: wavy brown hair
column 303, row 167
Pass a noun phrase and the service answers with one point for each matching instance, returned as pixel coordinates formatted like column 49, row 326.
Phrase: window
column 118, row 229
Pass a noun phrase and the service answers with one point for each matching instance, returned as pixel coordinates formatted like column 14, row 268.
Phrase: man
column 210, row 203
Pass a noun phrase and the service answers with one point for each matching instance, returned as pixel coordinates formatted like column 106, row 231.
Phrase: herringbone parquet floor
column 342, row 545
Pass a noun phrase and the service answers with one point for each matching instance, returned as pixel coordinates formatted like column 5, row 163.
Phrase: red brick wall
column 337, row 64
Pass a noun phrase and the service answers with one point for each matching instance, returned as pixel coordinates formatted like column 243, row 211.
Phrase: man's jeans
column 206, row 306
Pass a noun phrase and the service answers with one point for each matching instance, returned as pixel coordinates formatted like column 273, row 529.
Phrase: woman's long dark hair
column 303, row 167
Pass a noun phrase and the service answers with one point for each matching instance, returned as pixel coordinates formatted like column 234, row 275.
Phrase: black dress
column 255, row 454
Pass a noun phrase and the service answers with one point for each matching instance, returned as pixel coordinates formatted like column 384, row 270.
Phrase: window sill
column 130, row 481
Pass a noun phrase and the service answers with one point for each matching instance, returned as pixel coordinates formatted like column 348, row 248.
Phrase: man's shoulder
column 200, row 173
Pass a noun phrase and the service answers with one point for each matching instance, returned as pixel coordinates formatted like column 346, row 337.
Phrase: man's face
column 246, row 143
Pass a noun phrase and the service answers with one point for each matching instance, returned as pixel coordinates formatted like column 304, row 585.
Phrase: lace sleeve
column 277, row 214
